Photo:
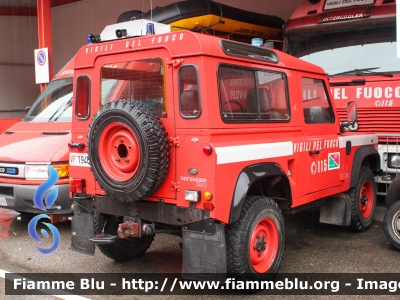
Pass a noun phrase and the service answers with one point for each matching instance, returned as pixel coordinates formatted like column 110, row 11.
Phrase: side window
column 316, row 105
column 82, row 97
column 252, row 95
column 189, row 96
column 139, row 80
column 272, row 95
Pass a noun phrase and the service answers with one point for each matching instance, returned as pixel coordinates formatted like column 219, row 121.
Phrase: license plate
column 79, row 159
column 3, row 202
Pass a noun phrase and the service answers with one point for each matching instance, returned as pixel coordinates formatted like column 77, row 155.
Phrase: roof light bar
column 133, row 28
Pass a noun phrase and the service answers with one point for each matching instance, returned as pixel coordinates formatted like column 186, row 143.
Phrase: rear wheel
column 391, row 224
column 363, row 201
column 255, row 242
column 122, row 249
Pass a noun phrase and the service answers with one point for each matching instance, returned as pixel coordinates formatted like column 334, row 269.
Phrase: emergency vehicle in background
column 211, row 140
column 39, row 140
column 355, row 43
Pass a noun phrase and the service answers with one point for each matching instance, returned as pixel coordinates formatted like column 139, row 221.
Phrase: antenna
column 151, row 10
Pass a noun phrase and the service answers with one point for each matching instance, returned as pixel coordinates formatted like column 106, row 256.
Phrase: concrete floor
column 310, row 247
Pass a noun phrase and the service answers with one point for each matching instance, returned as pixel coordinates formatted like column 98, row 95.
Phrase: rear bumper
column 20, row 198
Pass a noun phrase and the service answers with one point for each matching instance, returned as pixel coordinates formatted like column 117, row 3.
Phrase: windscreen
column 341, row 50
column 54, row 104
column 139, row 80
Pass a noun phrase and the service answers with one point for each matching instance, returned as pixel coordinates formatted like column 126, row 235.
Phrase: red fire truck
column 355, row 43
column 209, row 139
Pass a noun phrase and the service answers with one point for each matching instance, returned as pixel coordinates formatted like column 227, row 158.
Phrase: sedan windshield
column 54, row 104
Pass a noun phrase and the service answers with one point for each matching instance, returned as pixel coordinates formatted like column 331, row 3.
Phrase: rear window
column 140, row 80
column 82, row 106
column 189, row 95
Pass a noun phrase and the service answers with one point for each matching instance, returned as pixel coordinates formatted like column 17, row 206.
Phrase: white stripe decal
column 358, row 140
column 232, row 154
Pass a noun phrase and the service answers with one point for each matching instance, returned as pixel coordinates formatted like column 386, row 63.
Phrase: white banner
column 42, row 65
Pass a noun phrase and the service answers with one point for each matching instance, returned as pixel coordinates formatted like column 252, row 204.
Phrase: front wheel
column 255, row 241
column 391, row 224
column 363, row 201
column 122, row 249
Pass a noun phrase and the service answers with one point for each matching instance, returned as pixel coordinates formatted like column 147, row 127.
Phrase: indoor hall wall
column 72, row 23
column 18, row 36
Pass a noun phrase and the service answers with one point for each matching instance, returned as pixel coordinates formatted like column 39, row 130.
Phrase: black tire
column 363, row 201
column 393, row 192
column 253, row 262
column 122, row 249
column 391, row 224
column 128, row 150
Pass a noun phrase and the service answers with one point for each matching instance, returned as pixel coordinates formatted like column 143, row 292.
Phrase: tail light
column 76, row 185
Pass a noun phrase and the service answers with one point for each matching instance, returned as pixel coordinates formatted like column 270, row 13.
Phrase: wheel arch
column 364, row 156
column 256, row 180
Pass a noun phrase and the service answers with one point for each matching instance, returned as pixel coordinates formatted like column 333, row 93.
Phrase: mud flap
column 336, row 211
column 204, row 251
column 82, row 227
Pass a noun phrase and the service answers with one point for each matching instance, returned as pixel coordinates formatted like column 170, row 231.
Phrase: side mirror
column 351, row 117
column 26, row 110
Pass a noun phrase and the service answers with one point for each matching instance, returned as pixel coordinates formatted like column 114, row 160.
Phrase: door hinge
column 174, row 141
column 174, row 62
column 175, row 186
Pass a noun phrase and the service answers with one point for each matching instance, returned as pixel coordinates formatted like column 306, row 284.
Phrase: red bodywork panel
column 378, row 101
column 6, row 123
column 36, row 142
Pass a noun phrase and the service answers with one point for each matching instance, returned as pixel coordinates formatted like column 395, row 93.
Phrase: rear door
column 141, row 76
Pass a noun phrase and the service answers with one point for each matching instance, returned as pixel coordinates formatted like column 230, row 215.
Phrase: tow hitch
column 132, row 229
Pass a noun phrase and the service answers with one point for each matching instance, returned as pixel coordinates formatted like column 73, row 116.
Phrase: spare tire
column 128, row 150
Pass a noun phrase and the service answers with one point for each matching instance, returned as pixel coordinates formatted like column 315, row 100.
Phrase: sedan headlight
column 34, row 172
column 38, row 172
column 394, row 161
